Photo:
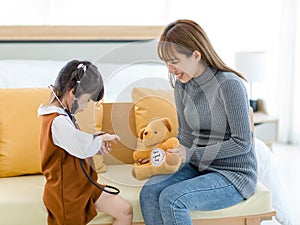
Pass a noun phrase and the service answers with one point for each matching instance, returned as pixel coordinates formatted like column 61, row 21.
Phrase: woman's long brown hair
column 186, row 36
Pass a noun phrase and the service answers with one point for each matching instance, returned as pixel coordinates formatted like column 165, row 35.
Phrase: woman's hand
column 143, row 161
column 180, row 151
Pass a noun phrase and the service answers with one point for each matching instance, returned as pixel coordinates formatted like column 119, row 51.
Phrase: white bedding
column 28, row 73
column 119, row 80
column 269, row 175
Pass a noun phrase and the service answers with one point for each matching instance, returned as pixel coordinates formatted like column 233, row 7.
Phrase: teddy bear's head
column 156, row 132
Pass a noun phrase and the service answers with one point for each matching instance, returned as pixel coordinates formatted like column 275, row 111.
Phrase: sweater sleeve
column 233, row 96
column 77, row 143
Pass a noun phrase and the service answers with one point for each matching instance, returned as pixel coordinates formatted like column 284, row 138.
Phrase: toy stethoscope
column 114, row 190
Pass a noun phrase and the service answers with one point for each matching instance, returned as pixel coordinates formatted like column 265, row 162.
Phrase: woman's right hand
column 180, row 151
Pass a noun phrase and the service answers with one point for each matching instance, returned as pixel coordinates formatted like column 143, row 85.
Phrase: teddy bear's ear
column 167, row 122
column 141, row 134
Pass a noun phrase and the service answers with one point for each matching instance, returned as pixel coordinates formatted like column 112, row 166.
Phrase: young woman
column 219, row 166
column 69, row 196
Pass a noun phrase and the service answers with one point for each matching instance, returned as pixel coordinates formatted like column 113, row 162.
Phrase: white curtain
column 295, row 137
column 288, row 93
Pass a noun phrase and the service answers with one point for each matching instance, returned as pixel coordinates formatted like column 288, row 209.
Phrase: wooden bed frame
column 248, row 220
column 109, row 33
column 79, row 33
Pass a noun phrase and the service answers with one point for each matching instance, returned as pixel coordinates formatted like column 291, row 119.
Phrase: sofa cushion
column 20, row 130
column 150, row 103
column 21, row 199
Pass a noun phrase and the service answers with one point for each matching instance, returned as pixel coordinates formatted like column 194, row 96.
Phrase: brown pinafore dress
column 68, row 195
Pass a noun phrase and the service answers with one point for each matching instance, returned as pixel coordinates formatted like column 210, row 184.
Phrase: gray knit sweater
column 214, row 126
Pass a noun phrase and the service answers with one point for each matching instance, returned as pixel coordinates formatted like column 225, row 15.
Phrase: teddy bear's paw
column 138, row 175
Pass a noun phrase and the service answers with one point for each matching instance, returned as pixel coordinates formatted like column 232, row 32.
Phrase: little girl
column 69, row 196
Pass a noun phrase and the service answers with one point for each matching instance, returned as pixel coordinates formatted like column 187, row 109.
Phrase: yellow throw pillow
column 150, row 103
column 90, row 120
column 20, row 130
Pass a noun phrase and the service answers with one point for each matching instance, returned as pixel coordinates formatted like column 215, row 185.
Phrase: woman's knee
column 145, row 192
column 169, row 199
column 165, row 199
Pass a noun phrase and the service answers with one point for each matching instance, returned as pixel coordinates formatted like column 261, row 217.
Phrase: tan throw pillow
column 150, row 103
column 90, row 120
column 20, row 130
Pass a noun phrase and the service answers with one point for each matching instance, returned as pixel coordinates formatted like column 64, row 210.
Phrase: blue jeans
column 168, row 199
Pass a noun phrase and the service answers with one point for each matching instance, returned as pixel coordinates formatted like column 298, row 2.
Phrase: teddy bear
column 156, row 139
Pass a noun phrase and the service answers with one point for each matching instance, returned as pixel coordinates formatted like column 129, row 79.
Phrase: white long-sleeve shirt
column 65, row 135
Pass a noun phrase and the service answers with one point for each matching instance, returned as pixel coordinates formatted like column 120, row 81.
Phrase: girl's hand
column 181, row 151
column 98, row 133
column 109, row 137
column 105, row 148
column 106, row 139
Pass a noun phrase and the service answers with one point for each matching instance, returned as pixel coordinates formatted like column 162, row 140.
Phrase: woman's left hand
column 181, row 151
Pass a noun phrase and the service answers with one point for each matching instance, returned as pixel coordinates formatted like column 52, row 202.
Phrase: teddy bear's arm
column 170, row 143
